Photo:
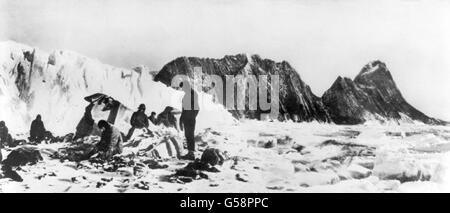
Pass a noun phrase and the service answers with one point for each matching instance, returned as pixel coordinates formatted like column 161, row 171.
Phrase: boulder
column 8, row 172
column 242, row 177
column 23, row 156
column 212, row 157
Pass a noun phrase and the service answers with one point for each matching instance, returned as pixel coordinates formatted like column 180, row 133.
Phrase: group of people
column 112, row 139
column 190, row 110
column 38, row 132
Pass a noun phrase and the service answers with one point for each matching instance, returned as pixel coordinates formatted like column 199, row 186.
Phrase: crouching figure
column 111, row 140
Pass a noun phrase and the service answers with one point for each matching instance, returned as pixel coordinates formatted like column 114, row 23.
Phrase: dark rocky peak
column 342, row 83
column 372, row 94
column 296, row 98
column 375, row 73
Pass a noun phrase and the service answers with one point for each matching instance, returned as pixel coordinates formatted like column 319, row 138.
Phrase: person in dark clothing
column 86, row 124
column 188, row 117
column 138, row 120
column 152, row 118
column 167, row 118
column 5, row 137
column 37, row 130
column 111, row 140
column 3, row 131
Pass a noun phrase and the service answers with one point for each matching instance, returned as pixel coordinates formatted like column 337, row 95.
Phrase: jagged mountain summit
column 297, row 101
column 372, row 95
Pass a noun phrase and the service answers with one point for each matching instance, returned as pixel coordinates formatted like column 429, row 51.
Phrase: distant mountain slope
column 373, row 94
column 296, row 99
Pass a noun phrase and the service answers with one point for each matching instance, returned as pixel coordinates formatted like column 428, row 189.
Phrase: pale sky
column 321, row 39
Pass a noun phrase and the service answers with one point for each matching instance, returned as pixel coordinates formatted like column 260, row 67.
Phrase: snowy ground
column 272, row 157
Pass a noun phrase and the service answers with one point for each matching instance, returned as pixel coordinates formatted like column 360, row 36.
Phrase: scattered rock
column 242, row 177
column 275, row 187
column 78, row 179
column 74, row 180
column 100, row 184
column 192, row 171
column 202, row 166
column 23, row 156
column 107, row 179
column 212, row 157
column 50, row 174
column 213, row 184
column 195, row 174
column 153, row 164
column 142, row 185
column 183, row 179
column 269, row 144
column 286, row 140
column 338, row 143
column 8, row 172
column 298, row 147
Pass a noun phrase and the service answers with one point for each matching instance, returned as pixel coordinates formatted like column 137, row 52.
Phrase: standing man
column 138, row 120
column 189, row 113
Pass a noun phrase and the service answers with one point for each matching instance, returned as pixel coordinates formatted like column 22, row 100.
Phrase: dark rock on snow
column 8, row 172
column 373, row 93
column 296, row 98
column 23, row 156
column 212, row 157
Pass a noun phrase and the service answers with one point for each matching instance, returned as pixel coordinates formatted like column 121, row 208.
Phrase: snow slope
column 305, row 157
column 54, row 85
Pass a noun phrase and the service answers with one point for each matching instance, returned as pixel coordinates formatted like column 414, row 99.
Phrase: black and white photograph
column 224, row 96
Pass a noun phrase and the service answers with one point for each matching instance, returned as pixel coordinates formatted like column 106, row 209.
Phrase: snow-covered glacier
column 54, row 84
